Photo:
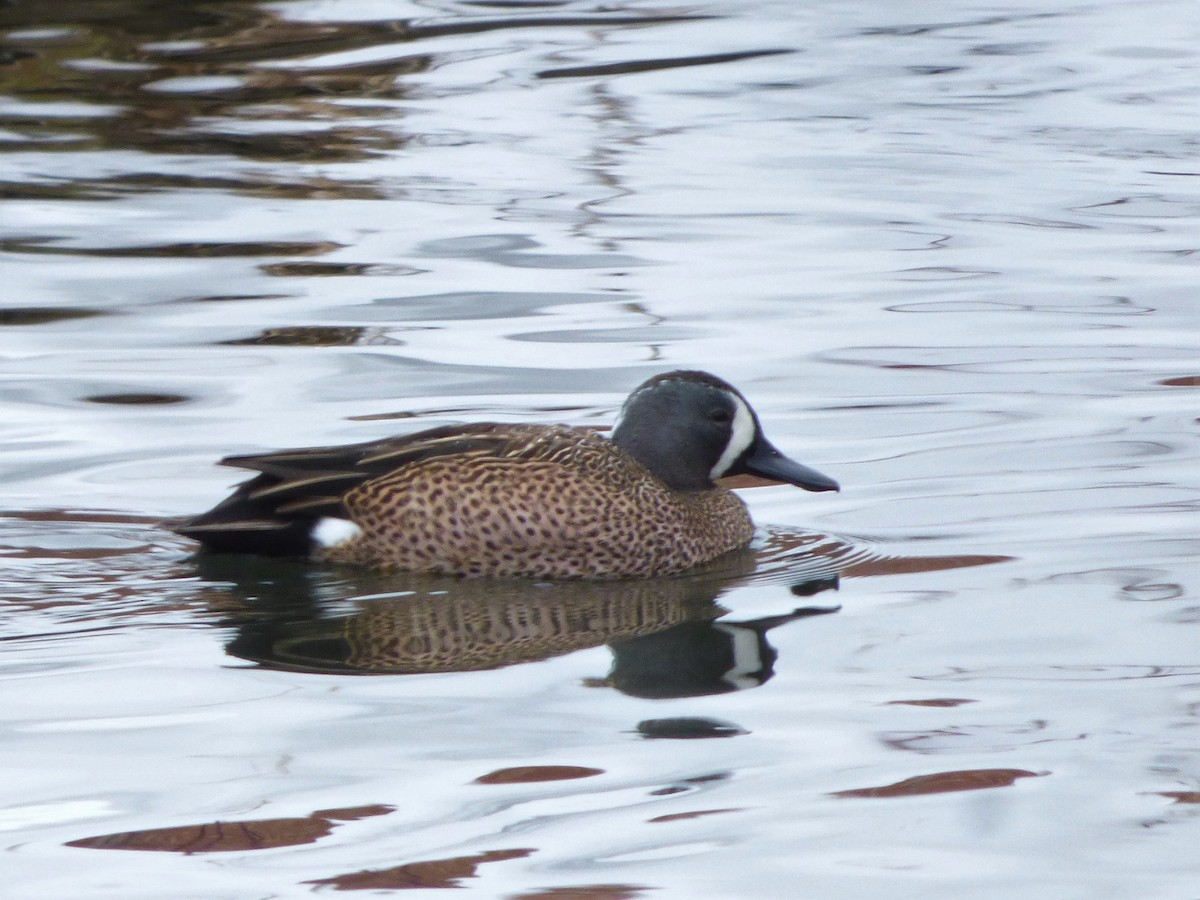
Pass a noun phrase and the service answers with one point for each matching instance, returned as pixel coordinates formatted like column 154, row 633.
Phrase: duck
column 518, row 500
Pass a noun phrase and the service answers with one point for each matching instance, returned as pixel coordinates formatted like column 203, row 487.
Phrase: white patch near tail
column 330, row 532
column 741, row 436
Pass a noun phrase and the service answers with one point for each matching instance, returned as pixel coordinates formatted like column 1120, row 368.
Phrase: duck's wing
column 275, row 512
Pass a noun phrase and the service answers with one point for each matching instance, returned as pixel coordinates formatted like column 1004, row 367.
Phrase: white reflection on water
column 947, row 252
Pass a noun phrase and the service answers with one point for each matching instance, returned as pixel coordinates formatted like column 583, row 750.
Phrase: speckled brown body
column 554, row 502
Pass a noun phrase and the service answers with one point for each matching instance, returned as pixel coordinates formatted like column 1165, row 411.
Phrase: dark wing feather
column 274, row 512
column 303, row 485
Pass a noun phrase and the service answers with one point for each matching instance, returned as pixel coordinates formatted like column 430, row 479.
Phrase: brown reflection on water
column 227, row 837
column 1182, row 796
column 695, row 814
column 651, row 65
column 138, row 399
column 44, row 315
column 784, row 548
column 184, row 250
column 333, row 270
column 433, row 873
column 907, row 565
column 937, row 702
column 175, row 77
column 536, row 774
column 317, row 336
column 75, row 516
column 268, row 185
column 151, row 61
column 690, row 784
column 943, row 783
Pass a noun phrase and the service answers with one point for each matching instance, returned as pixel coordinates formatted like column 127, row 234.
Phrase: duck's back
column 514, row 500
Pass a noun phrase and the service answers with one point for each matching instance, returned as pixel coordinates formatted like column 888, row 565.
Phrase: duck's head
column 691, row 428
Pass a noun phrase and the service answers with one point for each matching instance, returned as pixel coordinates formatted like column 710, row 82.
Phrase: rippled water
column 949, row 252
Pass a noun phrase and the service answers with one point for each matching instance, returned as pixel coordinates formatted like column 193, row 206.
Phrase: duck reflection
column 667, row 635
column 697, row 658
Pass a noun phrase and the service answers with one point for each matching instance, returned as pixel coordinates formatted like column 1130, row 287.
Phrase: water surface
column 949, row 253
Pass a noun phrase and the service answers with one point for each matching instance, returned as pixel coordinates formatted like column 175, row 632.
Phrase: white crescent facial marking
column 624, row 409
column 741, row 436
column 330, row 532
column 747, row 657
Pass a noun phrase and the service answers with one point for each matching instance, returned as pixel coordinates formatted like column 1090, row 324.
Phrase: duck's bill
column 765, row 461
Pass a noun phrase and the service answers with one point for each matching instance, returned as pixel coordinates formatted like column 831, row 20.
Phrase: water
column 949, row 254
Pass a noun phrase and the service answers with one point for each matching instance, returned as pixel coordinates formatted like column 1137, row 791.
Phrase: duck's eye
column 721, row 416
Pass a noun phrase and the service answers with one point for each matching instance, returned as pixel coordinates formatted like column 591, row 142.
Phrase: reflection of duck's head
column 696, row 658
column 519, row 500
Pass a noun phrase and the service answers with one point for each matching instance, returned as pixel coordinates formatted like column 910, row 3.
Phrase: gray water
column 948, row 250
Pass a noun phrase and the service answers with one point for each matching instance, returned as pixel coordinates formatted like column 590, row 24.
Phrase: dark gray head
column 691, row 428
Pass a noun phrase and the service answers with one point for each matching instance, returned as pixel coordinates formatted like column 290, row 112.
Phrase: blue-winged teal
column 519, row 500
